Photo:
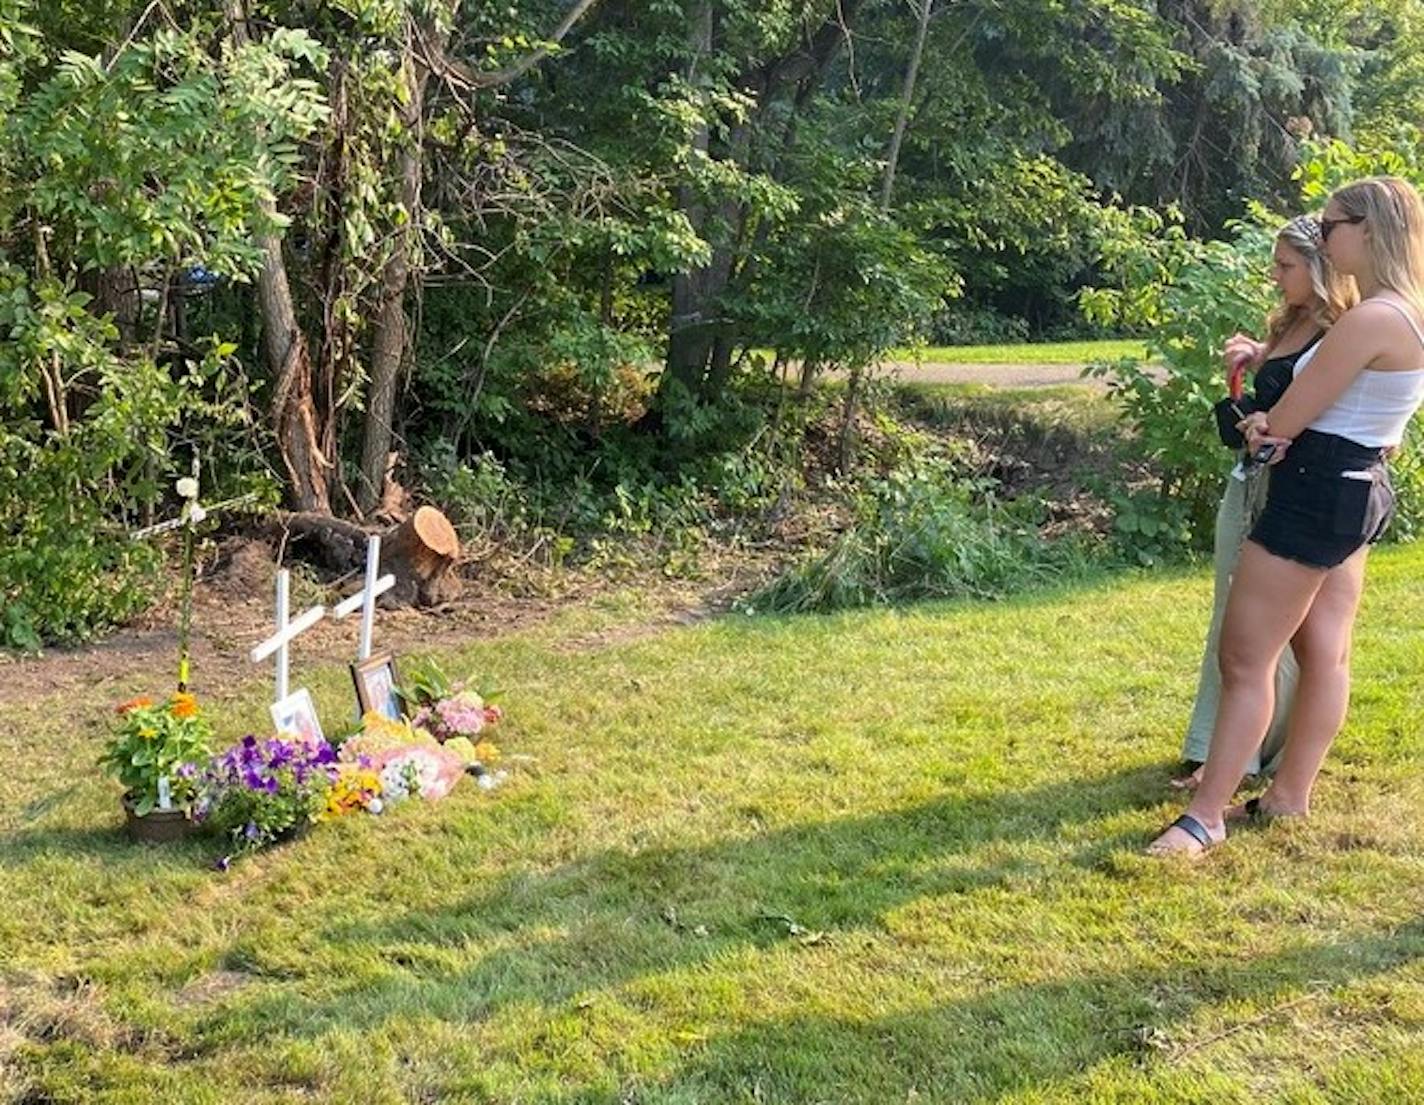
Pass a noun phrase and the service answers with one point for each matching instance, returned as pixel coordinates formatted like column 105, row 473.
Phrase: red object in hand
column 1236, row 383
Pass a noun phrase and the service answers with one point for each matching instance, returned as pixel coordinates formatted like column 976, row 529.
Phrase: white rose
column 197, row 514
column 188, row 487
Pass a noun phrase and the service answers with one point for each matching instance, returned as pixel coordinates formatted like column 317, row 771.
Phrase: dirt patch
column 232, row 611
column 210, row 988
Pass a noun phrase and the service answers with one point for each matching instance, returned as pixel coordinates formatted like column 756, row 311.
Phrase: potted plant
column 149, row 744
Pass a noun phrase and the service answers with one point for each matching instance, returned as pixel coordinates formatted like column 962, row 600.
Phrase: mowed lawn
column 1025, row 353
column 889, row 856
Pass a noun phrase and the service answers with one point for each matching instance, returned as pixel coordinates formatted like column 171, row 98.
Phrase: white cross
column 365, row 599
column 286, row 633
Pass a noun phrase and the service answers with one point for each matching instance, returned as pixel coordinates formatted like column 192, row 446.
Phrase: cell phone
column 1264, row 454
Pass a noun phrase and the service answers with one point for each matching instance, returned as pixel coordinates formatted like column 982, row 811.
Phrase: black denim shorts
column 1329, row 497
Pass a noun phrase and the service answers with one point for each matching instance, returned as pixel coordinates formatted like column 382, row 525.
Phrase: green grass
column 1065, row 406
column 878, row 857
column 1047, row 353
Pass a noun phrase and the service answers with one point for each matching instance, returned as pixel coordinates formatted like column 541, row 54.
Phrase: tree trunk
column 845, row 452
column 699, row 345
column 689, row 336
column 293, row 412
column 391, row 341
column 422, row 552
column 907, row 99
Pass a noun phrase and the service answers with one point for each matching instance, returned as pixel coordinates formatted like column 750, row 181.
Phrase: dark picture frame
column 376, row 682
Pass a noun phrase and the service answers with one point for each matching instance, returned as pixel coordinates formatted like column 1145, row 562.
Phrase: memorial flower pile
column 263, row 790
column 409, row 762
column 260, row 791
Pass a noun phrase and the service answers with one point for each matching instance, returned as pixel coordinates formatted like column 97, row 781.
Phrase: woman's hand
column 1243, row 346
column 1258, row 434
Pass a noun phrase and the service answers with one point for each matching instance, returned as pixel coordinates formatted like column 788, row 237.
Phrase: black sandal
column 1257, row 814
column 1194, row 829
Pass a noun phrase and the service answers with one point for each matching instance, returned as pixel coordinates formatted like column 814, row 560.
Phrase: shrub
column 1207, row 293
column 917, row 534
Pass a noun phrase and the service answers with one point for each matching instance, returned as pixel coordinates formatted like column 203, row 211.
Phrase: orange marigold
column 133, row 704
column 183, row 705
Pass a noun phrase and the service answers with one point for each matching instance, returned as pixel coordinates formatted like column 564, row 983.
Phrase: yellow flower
column 183, row 705
column 487, row 752
column 148, row 734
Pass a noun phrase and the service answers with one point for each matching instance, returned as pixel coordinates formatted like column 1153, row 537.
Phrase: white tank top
column 1375, row 409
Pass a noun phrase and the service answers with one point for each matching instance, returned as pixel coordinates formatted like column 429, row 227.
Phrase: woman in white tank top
column 1300, row 575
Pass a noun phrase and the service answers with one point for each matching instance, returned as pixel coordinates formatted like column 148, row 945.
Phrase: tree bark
column 907, row 99
column 391, row 339
column 689, row 333
column 293, row 411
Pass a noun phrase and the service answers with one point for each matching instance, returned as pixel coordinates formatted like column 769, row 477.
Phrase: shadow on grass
column 998, row 1045
column 110, row 846
column 615, row 916
column 562, row 939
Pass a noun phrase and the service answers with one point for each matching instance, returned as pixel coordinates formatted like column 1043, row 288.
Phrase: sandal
column 1190, row 778
column 1194, row 829
column 1254, row 812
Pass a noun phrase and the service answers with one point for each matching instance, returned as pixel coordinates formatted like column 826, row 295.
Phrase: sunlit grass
column 876, row 857
column 1037, row 353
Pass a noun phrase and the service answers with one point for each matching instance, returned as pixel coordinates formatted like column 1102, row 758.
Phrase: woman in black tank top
column 1291, row 586
column 1313, row 295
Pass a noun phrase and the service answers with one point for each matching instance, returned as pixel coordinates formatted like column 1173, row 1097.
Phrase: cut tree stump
column 422, row 553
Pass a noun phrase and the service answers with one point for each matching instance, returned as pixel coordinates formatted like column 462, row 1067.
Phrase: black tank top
column 1275, row 375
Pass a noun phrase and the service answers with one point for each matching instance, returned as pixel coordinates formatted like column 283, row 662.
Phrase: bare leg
column 1270, row 597
column 1322, row 646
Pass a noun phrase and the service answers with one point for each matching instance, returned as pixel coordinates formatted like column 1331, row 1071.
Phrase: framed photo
column 297, row 714
column 376, row 682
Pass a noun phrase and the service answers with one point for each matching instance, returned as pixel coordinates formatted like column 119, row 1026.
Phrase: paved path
column 996, row 375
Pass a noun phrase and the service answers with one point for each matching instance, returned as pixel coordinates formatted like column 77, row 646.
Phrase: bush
column 918, row 535
column 1206, row 293
column 1407, row 472
column 962, row 323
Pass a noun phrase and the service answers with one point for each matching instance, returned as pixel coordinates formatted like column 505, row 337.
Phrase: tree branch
column 459, row 73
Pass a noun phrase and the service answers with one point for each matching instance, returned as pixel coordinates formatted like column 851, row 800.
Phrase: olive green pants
column 1240, row 506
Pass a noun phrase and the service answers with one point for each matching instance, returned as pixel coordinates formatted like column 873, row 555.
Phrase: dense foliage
column 574, row 266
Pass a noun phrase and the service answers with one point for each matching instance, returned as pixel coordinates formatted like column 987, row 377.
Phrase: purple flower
column 222, row 863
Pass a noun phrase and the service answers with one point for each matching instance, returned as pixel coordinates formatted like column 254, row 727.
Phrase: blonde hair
column 1335, row 293
column 1394, row 216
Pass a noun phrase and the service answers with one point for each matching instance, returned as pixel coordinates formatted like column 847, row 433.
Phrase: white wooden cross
column 365, row 599
column 287, row 632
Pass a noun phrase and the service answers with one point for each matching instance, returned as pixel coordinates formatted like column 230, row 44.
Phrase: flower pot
column 157, row 826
